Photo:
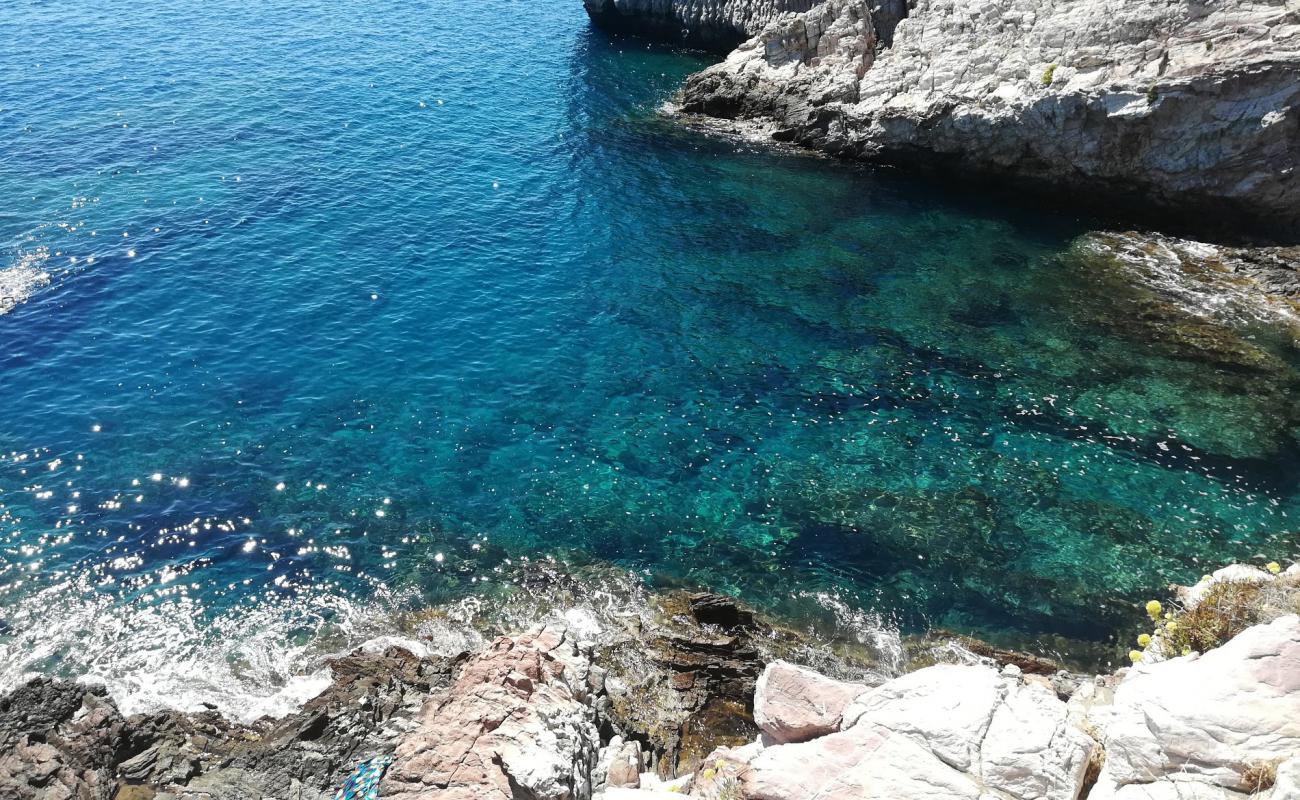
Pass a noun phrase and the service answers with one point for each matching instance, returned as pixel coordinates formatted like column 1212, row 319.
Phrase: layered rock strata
column 1180, row 105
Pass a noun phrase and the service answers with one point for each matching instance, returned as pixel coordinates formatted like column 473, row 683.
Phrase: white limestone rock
column 946, row 731
column 1197, row 723
column 715, row 23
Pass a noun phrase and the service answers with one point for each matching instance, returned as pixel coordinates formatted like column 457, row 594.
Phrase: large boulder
column 514, row 724
column 794, row 704
column 1204, row 723
column 946, row 731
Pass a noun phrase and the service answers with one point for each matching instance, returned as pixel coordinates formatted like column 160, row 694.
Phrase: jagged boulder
column 59, row 741
column 514, row 724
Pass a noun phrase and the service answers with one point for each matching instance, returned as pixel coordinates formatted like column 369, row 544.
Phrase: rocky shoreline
column 1168, row 107
column 700, row 707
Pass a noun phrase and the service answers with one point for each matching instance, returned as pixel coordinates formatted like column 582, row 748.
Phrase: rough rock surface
column 619, row 766
column 683, row 686
column 1207, row 279
column 63, row 740
column 717, row 24
column 1181, row 104
column 793, row 704
column 58, row 741
column 1199, row 723
column 942, row 732
column 514, row 724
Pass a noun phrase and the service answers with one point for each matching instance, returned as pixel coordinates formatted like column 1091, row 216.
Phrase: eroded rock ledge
column 1180, row 105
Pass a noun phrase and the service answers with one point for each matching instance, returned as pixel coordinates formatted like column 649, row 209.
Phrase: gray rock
column 716, row 24
column 1183, row 104
column 58, row 741
column 61, row 740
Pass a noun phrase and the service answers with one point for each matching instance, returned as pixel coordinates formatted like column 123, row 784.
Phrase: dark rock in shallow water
column 714, row 609
column 682, row 689
column 60, row 740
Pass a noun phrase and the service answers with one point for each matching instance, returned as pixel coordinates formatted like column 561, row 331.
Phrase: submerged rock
column 1183, row 105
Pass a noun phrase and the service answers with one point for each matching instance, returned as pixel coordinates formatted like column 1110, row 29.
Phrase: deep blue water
column 355, row 305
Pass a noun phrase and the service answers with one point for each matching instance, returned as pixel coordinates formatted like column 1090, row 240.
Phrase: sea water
column 320, row 312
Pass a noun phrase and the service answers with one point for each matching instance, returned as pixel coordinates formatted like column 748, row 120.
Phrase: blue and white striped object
column 363, row 783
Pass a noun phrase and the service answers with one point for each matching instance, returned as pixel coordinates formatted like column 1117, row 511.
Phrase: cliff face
column 1184, row 105
column 714, row 24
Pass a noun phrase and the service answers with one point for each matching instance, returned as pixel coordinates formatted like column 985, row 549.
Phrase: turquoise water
column 355, row 306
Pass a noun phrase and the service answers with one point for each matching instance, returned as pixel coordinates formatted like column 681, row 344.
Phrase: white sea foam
column 22, row 278
column 880, row 635
column 248, row 661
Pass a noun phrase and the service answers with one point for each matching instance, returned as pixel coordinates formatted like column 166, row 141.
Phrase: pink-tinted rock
column 864, row 763
column 510, row 725
column 793, row 704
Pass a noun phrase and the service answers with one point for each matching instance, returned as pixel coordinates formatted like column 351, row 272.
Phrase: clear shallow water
column 335, row 309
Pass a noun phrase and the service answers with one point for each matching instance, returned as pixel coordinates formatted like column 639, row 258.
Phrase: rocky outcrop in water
column 715, row 24
column 1181, row 105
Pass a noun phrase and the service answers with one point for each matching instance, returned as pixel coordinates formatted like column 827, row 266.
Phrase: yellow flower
column 1187, row 651
column 720, row 765
column 1273, row 567
column 707, row 774
column 1207, row 577
column 1144, row 640
column 1171, row 625
column 1135, row 656
column 1154, row 608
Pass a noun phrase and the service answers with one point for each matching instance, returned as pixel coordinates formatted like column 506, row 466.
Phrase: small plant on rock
column 1260, row 776
column 1227, row 609
column 1047, row 75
